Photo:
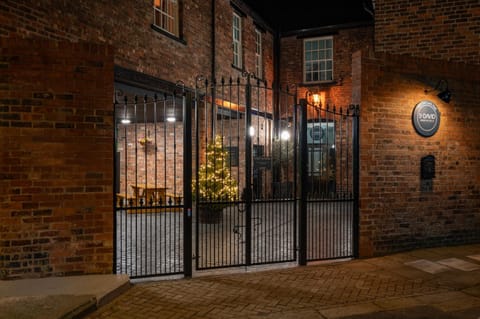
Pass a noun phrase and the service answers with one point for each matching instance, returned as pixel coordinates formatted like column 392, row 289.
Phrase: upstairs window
column 258, row 54
column 237, row 41
column 318, row 60
column 166, row 16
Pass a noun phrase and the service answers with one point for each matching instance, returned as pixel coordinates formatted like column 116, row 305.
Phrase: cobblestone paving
column 263, row 293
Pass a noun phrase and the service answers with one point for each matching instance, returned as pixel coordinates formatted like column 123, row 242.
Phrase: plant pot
column 210, row 215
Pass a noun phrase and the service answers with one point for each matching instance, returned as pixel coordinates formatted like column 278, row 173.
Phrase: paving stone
column 427, row 266
column 398, row 303
column 340, row 312
column 421, row 312
column 351, row 289
column 474, row 257
column 459, row 264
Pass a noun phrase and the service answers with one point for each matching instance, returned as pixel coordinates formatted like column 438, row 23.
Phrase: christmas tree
column 216, row 187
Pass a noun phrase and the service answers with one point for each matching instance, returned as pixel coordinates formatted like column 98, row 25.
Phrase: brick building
column 62, row 65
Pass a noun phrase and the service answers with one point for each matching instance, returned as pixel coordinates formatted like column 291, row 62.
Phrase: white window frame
column 318, row 60
column 258, row 54
column 166, row 17
column 237, row 40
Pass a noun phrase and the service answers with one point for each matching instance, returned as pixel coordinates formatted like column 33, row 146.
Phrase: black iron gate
column 329, row 182
column 245, row 185
column 153, row 162
column 233, row 173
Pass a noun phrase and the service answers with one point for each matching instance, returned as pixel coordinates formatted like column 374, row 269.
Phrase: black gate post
column 356, row 181
column 302, row 229
column 248, row 173
column 187, row 184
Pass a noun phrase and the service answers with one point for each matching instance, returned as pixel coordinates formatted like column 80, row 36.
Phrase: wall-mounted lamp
column 285, row 135
column 314, row 98
column 251, row 131
column 171, row 119
column 445, row 95
column 125, row 119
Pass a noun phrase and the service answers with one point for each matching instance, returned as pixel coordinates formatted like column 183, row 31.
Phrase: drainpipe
column 213, row 66
column 213, row 40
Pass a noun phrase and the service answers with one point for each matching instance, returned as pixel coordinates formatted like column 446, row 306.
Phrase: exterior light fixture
column 445, row 95
column 171, row 119
column 285, row 135
column 251, row 131
column 314, row 99
column 125, row 119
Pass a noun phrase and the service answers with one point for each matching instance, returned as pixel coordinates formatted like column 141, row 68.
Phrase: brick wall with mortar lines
column 56, row 154
column 163, row 155
column 440, row 30
column 127, row 27
column 137, row 165
column 395, row 213
column 345, row 42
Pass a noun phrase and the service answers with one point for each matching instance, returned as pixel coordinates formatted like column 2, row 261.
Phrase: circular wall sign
column 426, row 118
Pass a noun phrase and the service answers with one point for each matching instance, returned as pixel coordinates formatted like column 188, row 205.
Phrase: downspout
column 213, row 66
column 276, row 97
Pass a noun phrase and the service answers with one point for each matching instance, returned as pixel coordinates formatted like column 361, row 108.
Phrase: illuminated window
column 258, row 54
column 166, row 16
column 237, row 40
column 318, row 60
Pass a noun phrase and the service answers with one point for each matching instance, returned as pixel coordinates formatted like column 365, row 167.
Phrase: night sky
column 306, row 14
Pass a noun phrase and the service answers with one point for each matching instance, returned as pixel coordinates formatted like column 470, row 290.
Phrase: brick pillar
column 56, row 158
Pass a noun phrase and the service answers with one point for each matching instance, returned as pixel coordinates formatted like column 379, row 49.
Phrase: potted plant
column 215, row 188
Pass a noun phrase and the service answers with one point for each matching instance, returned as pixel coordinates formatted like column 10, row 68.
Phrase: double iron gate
column 232, row 174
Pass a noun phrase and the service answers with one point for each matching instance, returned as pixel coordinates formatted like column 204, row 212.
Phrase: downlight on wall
column 445, row 95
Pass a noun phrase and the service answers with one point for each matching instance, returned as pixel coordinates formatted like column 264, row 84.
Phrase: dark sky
column 306, row 14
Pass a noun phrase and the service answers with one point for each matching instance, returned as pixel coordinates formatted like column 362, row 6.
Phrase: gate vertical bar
column 116, row 168
column 302, row 229
column 187, row 184
column 248, row 173
column 356, row 180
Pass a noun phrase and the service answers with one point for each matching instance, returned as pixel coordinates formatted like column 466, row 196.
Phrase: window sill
column 171, row 36
column 323, row 83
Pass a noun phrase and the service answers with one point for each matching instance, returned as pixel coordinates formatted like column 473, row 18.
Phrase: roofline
column 326, row 29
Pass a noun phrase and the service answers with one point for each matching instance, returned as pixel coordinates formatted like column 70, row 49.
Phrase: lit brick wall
column 345, row 42
column 56, row 128
column 395, row 214
column 440, row 30
column 127, row 27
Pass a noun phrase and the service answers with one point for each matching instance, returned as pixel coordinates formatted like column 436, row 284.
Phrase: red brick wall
column 345, row 42
column 127, row 27
column 395, row 214
column 163, row 155
column 56, row 128
column 441, row 30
